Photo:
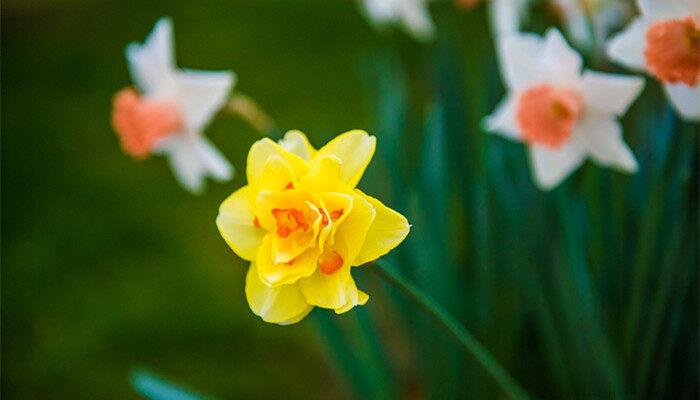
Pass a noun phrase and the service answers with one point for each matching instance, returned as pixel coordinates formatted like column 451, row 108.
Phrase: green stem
column 454, row 329
column 243, row 106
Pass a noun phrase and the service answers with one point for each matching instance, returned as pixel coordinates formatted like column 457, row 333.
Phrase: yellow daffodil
column 302, row 224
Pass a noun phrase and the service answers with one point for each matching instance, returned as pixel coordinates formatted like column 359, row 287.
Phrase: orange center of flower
column 672, row 50
column 289, row 220
column 547, row 114
column 335, row 214
column 141, row 123
column 330, row 262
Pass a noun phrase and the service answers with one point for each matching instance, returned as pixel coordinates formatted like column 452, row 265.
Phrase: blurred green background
column 588, row 291
column 107, row 263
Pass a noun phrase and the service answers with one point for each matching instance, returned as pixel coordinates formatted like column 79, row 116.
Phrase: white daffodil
column 664, row 41
column 562, row 113
column 170, row 109
column 412, row 15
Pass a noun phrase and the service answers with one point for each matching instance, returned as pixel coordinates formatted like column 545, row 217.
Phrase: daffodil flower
column 564, row 115
column 303, row 225
column 412, row 15
column 170, row 108
column 664, row 41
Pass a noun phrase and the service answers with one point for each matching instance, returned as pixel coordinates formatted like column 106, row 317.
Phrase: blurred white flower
column 664, row 41
column 412, row 15
column 170, row 110
column 563, row 115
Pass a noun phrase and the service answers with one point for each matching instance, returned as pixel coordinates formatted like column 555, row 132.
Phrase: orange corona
column 289, row 220
column 672, row 50
column 547, row 114
column 330, row 262
column 140, row 123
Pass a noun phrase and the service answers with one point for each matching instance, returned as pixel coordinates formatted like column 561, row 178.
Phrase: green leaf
column 153, row 387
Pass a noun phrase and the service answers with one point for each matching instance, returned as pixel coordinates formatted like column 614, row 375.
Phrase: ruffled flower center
column 303, row 224
column 672, row 50
column 141, row 123
column 334, row 215
column 289, row 220
column 547, row 114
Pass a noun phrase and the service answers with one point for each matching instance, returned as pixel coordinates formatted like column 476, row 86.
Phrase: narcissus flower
column 170, row 108
column 563, row 115
column 303, row 225
column 665, row 42
column 412, row 15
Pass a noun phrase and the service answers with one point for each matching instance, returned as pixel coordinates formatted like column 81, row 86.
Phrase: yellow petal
column 297, row 143
column 276, row 175
column 276, row 274
column 328, row 290
column 281, row 305
column 353, row 230
column 235, row 223
column 324, row 175
column 355, row 150
column 262, row 150
column 297, row 318
column 354, row 298
column 387, row 231
column 336, row 208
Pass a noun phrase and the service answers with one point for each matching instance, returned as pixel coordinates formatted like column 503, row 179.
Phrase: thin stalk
column 445, row 320
column 246, row 108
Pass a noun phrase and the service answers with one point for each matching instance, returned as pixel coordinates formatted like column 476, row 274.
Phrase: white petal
column 413, row 15
column 519, row 55
column 416, row 19
column 380, row 11
column 576, row 22
column 602, row 137
column 506, row 15
column 610, row 93
column 152, row 63
column 685, row 99
column 213, row 161
column 560, row 63
column 550, row 167
column 503, row 119
column 185, row 161
column 201, row 94
column 663, row 9
column 627, row 47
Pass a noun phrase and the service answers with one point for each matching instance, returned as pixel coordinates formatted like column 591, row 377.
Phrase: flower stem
column 249, row 110
column 454, row 329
